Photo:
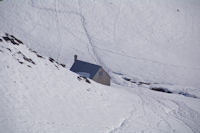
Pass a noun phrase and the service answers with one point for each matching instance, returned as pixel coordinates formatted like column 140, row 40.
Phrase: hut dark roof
column 81, row 66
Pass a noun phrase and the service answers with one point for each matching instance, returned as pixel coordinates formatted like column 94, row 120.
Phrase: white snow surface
column 142, row 44
column 153, row 40
column 44, row 97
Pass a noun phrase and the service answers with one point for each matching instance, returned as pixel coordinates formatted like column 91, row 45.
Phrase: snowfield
column 38, row 94
column 150, row 48
column 155, row 41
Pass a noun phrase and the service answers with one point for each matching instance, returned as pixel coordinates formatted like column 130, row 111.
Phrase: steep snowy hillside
column 40, row 95
column 146, row 40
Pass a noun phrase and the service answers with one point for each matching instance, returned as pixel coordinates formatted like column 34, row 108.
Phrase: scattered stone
column 13, row 42
column 56, row 67
column 32, row 51
column 19, row 41
column 51, row 59
column 8, row 49
column 63, row 65
column 79, row 78
column 138, row 83
column 28, row 66
column 6, row 39
column 35, row 53
column 28, row 59
column 12, row 39
column 86, row 80
column 20, row 61
column 39, row 56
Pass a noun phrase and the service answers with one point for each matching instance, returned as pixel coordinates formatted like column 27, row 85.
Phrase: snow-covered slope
column 40, row 95
column 144, row 45
column 152, row 41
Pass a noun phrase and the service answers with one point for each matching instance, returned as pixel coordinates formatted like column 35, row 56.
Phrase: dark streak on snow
column 15, row 41
column 26, row 58
column 56, row 67
column 57, row 63
column 136, row 82
column 20, row 61
column 51, row 59
column 36, row 53
column 165, row 90
column 117, row 73
column 28, row 66
column 8, row 49
column 39, row 56
column 63, row 65
column 32, row 51
column 19, row 41
column 160, row 89
column 6, row 39
column 81, row 78
column 29, row 60
column 12, row 39
column 187, row 94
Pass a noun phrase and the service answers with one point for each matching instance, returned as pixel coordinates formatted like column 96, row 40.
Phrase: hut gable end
column 102, row 77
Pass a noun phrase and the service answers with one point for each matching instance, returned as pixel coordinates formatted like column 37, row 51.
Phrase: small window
column 100, row 73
